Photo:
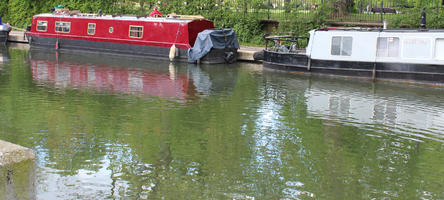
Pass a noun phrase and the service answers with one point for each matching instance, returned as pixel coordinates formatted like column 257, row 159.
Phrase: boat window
column 63, row 27
column 346, row 49
column 42, row 26
column 341, row 45
column 336, row 46
column 439, row 49
column 136, row 32
column 111, row 30
column 387, row 47
column 91, row 28
column 417, row 48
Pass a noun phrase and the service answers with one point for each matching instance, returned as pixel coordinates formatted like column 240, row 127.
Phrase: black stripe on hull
column 162, row 53
column 106, row 47
column 4, row 37
column 393, row 71
column 289, row 59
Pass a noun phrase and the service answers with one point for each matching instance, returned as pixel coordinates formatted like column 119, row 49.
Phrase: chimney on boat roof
column 423, row 19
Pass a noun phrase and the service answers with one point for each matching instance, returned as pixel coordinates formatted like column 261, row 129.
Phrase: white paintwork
column 4, row 27
column 423, row 55
column 415, row 47
column 321, row 46
column 439, row 49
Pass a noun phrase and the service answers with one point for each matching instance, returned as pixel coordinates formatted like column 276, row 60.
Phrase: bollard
column 17, row 176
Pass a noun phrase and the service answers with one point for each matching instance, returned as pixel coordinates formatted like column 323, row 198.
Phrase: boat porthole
column 111, row 29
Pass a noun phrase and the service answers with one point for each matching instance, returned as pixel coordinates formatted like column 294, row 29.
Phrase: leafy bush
column 434, row 19
column 243, row 16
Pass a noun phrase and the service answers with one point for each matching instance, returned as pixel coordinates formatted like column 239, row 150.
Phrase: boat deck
column 17, row 36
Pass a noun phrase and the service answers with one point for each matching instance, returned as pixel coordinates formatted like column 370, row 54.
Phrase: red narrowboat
column 162, row 38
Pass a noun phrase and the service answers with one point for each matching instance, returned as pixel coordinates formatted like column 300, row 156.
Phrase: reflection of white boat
column 3, row 58
column 417, row 118
column 4, row 54
column 372, row 53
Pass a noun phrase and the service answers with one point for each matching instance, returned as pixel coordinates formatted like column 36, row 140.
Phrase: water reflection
column 137, row 76
column 344, row 139
column 61, row 71
column 4, row 55
column 243, row 133
column 385, row 109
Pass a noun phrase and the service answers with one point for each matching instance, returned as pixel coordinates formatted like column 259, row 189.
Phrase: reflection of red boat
column 127, row 80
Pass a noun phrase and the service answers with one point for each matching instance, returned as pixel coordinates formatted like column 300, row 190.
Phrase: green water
column 110, row 127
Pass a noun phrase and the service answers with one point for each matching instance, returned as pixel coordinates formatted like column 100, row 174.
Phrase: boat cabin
column 149, row 31
column 374, row 45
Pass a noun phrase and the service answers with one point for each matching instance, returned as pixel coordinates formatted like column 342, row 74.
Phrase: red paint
column 156, row 32
column 110, row 78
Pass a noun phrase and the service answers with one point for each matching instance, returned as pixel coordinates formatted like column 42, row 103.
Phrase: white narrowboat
column 397, row 54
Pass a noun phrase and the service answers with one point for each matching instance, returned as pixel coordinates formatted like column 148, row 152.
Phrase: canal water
column 115, row 127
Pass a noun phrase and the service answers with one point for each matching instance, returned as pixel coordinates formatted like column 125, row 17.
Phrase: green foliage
column 19, row 12
column 248, row 30
column 308, row 22
column 434, row 19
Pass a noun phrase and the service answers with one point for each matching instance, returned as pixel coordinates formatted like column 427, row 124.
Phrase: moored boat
column 157, row 37
column 4, row 32
column 395, row 54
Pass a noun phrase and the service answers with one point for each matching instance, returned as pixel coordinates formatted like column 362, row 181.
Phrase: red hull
column 156, row 32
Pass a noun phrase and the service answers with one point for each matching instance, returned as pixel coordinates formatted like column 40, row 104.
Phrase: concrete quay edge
column 245, row 53
column 11, row 153
column 17, row 36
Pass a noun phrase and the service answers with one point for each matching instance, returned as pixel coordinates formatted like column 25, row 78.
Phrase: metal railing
column 341, row 10
column 286, row 42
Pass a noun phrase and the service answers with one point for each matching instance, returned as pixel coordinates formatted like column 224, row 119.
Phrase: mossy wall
column 17, row 181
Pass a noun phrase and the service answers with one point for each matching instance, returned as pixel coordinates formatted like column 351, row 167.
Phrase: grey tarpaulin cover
column 212, row 38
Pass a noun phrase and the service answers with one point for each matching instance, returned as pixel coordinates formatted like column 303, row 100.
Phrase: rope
column 16, row 28
column 178, row 31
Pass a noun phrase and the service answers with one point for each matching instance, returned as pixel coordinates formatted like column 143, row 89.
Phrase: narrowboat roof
column 382, row 30
column 116, row 17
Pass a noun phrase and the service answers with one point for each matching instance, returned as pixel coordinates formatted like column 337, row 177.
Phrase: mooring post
column 423, row 21
column 374, row 72
column 309, row 64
